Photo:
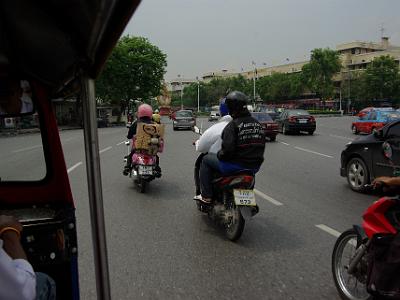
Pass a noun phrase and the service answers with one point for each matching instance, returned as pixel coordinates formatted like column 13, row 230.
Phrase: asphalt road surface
column 161, row 247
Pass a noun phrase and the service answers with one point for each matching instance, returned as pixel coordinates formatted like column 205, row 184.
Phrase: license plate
column 244, row 197
column 145, row 170
column 302, row 120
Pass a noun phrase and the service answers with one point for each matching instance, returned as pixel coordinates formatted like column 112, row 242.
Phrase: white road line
column 340, row 137
column 286, row 144
column 74, row 167
column 313, row 152
column 27, row 148
column 105, row 149
column 120, row 143
column 268, row 198
column 329, row 230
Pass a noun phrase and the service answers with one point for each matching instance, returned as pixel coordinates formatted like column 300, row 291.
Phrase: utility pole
column 179, row 76
column 254, row 83
column 198, row 94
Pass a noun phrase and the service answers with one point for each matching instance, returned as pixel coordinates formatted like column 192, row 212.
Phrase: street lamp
column 198, row 94
column 179, row 76
column 254, row 83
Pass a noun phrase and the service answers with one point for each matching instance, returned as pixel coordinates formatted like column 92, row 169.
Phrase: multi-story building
column 178, row 84
column 218, row 74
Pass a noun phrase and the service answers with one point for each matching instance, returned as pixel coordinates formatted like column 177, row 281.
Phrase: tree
column 382, row 78
column 318, row 73
column 134, row 70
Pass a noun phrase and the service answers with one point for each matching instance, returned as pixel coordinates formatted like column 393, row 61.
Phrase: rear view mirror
column 15, row 97
column 196, row 130
column 378, row 133
column 387, row 150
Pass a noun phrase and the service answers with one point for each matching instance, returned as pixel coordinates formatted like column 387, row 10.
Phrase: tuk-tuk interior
column 59, row 47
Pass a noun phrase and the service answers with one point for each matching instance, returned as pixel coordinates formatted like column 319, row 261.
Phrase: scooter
column 358, row 255
column 233, row 201
column 144, row 168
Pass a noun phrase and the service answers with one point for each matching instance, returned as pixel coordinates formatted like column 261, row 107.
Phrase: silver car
column 184, row 119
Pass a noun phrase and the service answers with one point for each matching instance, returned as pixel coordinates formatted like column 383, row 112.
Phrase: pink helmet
column 144, row 110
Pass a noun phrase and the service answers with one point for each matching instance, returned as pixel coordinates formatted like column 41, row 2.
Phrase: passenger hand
column 10, row 221
column 379, row 182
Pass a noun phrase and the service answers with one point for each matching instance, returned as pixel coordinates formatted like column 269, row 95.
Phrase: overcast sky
column 210, row 35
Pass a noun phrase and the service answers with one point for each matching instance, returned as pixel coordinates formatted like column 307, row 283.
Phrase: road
column 161, row 247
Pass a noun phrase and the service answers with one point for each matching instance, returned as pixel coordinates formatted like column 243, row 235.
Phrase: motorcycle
column 360, row 265
column 144, row 168
column 233, row 201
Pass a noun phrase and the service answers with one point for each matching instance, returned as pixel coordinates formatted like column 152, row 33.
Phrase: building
column 178, row 84
column 218, row 75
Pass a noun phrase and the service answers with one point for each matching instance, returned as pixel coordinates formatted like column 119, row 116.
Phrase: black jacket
column 243, row 142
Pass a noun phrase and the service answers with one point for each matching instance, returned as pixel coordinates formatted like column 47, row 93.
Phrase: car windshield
column 262, row 117
column 184, row 114
column 298, row 112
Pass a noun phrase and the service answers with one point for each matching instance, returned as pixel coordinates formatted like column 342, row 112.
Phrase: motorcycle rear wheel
column 234, row 228
column 349, row 286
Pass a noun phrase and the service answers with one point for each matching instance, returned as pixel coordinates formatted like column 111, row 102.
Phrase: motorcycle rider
column 242, row 148
column 144, row 115
column 210, row 142
column 156, row 117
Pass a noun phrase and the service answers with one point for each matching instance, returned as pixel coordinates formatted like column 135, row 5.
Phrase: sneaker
column 125, row 171
column 197, row 197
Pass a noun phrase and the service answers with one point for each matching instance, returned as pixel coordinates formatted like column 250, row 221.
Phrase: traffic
column 236, row 199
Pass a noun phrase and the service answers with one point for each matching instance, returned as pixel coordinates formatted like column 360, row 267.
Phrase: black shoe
column 126, row 171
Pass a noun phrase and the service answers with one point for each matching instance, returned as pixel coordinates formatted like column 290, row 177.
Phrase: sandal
column 206, row 200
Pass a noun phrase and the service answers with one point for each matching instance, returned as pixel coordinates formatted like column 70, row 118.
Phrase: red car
column 364, row 111
column 270, row 126
column 374, row 120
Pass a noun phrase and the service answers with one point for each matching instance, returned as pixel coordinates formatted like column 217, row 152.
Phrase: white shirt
column 211, row 140
column 17, row 278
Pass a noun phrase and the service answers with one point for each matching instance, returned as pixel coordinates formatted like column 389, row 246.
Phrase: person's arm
column 229, row 136
column 17, row 278
column 132, row 130
column 388, row 181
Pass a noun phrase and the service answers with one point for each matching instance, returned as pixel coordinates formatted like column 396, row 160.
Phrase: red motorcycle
column 366, row 259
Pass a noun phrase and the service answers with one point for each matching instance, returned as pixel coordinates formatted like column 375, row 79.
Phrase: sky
column 211, row 35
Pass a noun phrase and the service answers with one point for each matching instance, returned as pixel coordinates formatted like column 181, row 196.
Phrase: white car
column 214, row 116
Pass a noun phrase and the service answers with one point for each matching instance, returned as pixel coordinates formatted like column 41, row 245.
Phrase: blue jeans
column 45, row 287
column 209, row 165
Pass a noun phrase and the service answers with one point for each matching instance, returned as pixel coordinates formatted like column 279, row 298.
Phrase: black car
column 367, row 157
column 296, row 120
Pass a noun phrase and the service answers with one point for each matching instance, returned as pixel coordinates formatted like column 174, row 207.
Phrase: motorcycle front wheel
column 349, row 286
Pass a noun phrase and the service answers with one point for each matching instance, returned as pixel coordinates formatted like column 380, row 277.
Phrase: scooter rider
column 144, row 115
column 243, row 145
column 210, row 142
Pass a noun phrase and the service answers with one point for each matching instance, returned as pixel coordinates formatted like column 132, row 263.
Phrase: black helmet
column 236, row 102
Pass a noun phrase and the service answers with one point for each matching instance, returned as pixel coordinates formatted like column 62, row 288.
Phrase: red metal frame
column 55, row 187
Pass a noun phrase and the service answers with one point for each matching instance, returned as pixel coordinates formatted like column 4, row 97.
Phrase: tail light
column 292, row 119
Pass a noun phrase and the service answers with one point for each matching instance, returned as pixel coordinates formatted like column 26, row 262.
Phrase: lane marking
column 27, row 148
column 313, row 152
column 340, row 137
column 329, row 230
column 121, row 143
column 105, row 149
column 268, row 198
column 74, row 167
column 286, row 144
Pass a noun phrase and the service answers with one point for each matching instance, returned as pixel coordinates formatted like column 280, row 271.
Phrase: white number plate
column 302, row 120
column 145, row 170
column 244, row 197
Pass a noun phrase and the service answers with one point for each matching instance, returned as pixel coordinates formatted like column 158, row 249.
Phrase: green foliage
column 382, row 78
column 318, row 73
column 134, row 70
column 280, row 87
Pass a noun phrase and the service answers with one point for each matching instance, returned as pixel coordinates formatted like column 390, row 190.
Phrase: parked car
column 270, row 126
column 374, row 120
column 296, row 120
column 364, row 159
column 214, row 116
column 273, row 112
column 184, row 119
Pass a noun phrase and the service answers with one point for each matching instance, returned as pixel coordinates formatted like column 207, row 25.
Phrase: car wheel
column 174, row 128
column 272, row 138
column 311, row 132
column 357, row 174
column 354, row 129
